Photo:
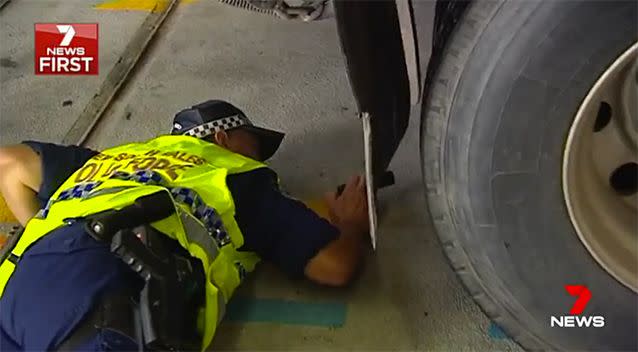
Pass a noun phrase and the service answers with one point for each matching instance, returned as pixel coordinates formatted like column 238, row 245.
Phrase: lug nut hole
column 624, row 179
column 603, row 118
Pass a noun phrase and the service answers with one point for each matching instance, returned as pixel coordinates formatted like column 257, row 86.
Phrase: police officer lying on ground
column 58, row 275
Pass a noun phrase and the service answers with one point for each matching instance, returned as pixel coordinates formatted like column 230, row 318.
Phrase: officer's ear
column 221, row 139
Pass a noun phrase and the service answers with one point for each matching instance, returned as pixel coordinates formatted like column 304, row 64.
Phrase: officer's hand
column 338, row 262
column 349, row 211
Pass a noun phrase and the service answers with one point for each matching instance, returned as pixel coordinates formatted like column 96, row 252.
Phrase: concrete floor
column 31, row 107
column 289, row 76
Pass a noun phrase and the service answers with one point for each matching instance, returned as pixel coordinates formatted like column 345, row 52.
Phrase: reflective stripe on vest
column 194, row 172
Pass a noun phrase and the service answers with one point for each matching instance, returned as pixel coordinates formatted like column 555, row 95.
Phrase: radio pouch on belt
column 174, row 281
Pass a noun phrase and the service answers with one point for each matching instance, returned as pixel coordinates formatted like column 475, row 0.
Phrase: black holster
column 167, row 307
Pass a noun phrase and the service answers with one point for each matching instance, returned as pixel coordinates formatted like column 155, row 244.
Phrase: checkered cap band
column 223, row 124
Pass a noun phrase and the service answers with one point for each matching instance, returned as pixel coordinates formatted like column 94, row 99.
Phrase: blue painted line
column 496, row 332
column 242, row 309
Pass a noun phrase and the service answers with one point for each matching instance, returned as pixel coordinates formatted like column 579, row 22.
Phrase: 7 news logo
column 66, row 49
column 575, row 319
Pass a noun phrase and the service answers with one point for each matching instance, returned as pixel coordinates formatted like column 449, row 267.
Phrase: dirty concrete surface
column 288, row 76
column 45, row 107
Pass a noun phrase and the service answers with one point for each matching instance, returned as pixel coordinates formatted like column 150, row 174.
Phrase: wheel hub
column 600, row 170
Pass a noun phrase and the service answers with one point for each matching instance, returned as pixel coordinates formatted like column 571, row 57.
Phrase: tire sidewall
column 499, row 163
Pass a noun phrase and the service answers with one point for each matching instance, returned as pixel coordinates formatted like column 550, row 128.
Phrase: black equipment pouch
column 173, row 292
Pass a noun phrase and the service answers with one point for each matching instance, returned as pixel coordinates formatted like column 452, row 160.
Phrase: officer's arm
column 337, row 263
column 20, row 179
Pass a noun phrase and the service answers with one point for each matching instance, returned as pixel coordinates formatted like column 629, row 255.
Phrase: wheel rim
column 600, row 170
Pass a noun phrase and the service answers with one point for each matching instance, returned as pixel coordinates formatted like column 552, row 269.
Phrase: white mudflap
column 367, row 150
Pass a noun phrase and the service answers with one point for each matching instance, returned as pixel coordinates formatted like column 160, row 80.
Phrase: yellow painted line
column 318, row 206
column 5, row 214
column 3, row 239
column 137, row 5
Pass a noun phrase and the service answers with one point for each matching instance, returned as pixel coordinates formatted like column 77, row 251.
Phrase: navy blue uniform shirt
column 59, row 278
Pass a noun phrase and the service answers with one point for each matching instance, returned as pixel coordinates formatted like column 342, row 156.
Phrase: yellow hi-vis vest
column 194, row 172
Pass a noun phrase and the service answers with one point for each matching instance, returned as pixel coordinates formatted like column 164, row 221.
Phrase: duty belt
column 174, row 281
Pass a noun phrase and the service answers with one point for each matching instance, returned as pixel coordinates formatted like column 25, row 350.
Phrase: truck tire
column 495, row 122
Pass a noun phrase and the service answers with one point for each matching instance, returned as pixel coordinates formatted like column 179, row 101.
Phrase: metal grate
column 243, row 4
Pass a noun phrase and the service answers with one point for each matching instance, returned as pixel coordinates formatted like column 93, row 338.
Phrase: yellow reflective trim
column 34, row 230
column 6, row 269
column 211, row 311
